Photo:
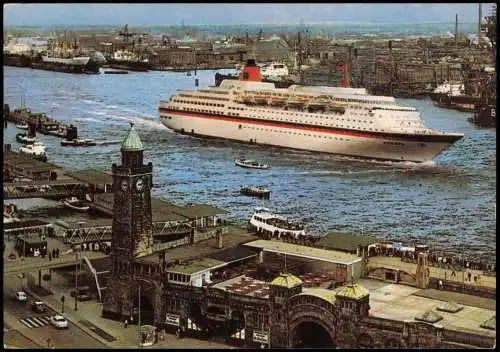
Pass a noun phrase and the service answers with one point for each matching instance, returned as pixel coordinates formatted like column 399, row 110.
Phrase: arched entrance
column 146, row 310
column 310, row 334
column 216, row 321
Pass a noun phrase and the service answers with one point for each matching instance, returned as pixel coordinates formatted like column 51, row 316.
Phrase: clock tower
column 132, row 231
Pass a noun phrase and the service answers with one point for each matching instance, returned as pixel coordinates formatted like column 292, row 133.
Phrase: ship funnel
column 251, row 72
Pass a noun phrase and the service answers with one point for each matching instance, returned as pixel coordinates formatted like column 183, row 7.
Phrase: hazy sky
column 227, row 13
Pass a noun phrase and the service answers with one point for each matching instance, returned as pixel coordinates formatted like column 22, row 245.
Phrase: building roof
column 196, row 266
column 234, row 254
column 92, row 176
column 355, row 291
column 305, row 251
column 286, row 280
column 132, row 142
column 429, row 317
column 18, row 225
column 327, row 295
column 450, row 307
column 345, row 242
column 199, row 210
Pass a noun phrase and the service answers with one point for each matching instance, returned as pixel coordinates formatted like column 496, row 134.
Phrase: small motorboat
column 252, row 164
column 76, row 204
column 260, row 191
column 79, row 143
column 23, row 138
column 22, row 126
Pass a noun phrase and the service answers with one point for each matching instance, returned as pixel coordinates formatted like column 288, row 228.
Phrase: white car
column 59, row 322
column 21, row 296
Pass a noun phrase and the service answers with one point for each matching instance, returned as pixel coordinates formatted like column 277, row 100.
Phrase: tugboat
column 37, row 150
column 27, row 138
column 251, row 164
column 268, row 225
column 260, row 191
column 76, row 204
column 79, row 143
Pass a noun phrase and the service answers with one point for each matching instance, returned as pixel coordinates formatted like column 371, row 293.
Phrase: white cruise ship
column 345, row 121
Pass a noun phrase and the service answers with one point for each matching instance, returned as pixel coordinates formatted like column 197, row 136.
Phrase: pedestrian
column 57, row 252
column 53, row 252
column 475, row 278
column 50, row 256
column 131, row 319
column 445, row 275
column 31, row 251
column 469, row 275
column 125, row 324
column 453, row 273
column 440, row 284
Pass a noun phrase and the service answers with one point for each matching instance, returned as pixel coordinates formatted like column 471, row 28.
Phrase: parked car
column 21, row 296
column 38, row 306
column 59, row 322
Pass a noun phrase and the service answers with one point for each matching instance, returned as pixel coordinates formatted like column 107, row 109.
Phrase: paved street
column 89, row 312
column 395, row 262
column 36, row 328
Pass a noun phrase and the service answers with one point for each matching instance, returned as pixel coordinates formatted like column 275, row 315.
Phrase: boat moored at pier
column 79, row 143
column 337, row 120
column 76, row 204
column 269, row 225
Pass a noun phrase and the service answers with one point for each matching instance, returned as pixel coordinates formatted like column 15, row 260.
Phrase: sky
column 142, row 14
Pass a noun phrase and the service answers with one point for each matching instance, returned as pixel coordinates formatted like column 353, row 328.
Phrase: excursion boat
column 269, row 225
column 251, row 164
column 76, row 204
column 23, row 138
column 37, row 150
column 78, row 143
column 260, row 191
column 337, row 120
column 22, row 126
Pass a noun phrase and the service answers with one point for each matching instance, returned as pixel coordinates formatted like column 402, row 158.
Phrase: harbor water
column 449, row 203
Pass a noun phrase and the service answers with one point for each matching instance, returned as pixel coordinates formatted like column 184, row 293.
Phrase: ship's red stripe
column 326, row 129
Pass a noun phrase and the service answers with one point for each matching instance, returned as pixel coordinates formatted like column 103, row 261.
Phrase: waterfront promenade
column 436, row 272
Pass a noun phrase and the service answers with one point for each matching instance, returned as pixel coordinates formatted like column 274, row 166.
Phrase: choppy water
column 446, row 203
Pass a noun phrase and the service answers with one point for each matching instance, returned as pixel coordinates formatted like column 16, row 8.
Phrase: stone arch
column 393, row 344
column 308, row 310
column 365, row 341
column 310, row 332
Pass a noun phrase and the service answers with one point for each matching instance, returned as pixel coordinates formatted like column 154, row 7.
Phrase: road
column 15, row 313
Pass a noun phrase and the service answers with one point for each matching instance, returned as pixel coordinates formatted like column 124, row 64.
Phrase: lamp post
column 139, row 318
column 77, row 272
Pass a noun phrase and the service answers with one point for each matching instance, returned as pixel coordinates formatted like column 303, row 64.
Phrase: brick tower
column 132, row 231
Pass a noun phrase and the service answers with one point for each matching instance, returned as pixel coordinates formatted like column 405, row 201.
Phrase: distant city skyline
column 242, row 13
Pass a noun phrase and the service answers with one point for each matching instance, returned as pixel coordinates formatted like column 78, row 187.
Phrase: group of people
column 53, row 254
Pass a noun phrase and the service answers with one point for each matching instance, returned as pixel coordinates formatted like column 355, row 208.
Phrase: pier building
column 212, row 286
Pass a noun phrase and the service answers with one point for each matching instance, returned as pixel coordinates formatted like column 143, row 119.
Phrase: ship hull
column 18, row 60
column 385, row 146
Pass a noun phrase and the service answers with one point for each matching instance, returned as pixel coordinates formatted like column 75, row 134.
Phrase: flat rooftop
column 25, row 224
column 196, row 266
column 400, row 302
column 245, row 286
column 305, row 251
column 345, row 242
column 233, row 238
column 92, row 176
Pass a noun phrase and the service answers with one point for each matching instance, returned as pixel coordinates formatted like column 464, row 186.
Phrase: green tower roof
column 132, row 142
column 355, row 291
column 286, row 280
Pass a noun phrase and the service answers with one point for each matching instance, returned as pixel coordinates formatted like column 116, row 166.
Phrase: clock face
column 139, row 184
column 124, row 185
